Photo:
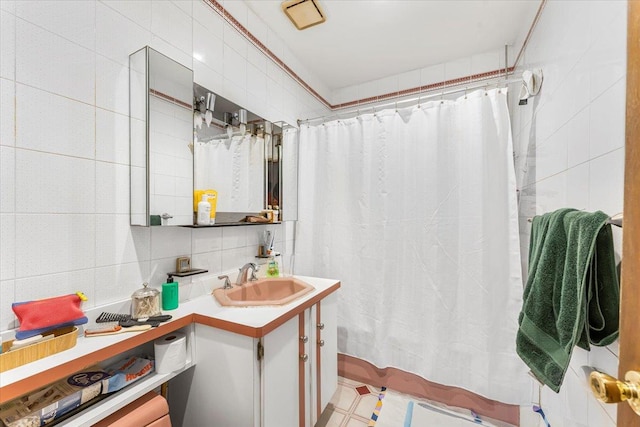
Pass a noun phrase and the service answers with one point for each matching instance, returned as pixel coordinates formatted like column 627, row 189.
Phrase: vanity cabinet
column 283, row 379
column 324, row 354
column 301, row 366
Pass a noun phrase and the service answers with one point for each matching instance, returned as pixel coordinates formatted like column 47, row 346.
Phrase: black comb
column 118, row 317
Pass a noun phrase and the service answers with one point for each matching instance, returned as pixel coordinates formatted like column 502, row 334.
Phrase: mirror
column 185, row 138
column 229, row 153
column 240, row 156
column 282, row 189
column 161, row 132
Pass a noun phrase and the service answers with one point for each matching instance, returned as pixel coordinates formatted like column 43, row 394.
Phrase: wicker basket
column 64, row 338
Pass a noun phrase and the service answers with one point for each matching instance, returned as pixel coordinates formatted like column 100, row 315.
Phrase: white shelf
column 120, row 399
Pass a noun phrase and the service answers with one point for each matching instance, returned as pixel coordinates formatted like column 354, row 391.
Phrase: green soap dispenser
column 272, row 268
column 170, row 294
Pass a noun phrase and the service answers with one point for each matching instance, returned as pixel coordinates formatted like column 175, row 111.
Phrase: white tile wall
column 7, row 293
column 137, row 11
column 172, row 24
column 8, row 44
column 74, row 22
column 208, row 47
column 8, row 177
column 7, row 246
column 69, row 67
column 112, row 85
column 68, row 282
column 64, row 141
column 67, row 127
column 569, row 144
column 462, row 67
column 7, row 106
column 112, row 137
column 51, row 183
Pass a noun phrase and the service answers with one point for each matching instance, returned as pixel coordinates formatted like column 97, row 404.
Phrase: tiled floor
column 355, row 404
column 351, row 406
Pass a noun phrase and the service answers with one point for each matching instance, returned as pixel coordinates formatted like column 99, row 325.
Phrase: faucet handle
column 254, row 270
column 227, row 282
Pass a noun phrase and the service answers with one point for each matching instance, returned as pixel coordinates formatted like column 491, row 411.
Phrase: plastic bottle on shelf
column 170, row 296
column 204, row 211
column 276, row 213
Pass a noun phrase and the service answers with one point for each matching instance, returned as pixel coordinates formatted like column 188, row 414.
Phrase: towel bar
column 614, row 220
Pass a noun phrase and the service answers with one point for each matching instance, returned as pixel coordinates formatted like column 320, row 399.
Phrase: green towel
column 572, row 293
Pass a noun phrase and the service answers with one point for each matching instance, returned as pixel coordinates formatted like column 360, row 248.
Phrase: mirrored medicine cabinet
column 185, row 137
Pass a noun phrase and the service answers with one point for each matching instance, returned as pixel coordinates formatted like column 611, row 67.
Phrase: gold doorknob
column 608, row 389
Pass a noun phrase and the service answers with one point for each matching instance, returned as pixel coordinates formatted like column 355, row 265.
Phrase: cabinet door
column 283, row 376
column 223, row 388
column 324, row 317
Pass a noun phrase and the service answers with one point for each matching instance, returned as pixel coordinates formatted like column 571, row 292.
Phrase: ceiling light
column 303, row 13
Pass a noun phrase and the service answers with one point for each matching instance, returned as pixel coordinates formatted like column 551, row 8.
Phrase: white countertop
column 205, row 305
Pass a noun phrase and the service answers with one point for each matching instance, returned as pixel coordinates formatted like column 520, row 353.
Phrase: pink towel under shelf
column 151, row 410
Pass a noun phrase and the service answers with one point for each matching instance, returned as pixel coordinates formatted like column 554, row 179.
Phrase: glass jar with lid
column 145, row 302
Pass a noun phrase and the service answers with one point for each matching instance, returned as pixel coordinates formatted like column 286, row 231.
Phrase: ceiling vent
column 303, row 13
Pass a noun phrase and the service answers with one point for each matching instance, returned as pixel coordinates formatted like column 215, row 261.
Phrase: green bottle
column 272, row 268
column 170, row 294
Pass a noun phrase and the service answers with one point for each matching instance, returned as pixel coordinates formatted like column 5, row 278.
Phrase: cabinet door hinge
column 260, row 350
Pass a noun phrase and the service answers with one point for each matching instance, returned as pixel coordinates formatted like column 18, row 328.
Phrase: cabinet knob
column 321, row 343
column 304, row 339
column 304, row 357
column 320, row 326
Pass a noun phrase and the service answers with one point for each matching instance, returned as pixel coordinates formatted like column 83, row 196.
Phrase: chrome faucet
column 242, row 275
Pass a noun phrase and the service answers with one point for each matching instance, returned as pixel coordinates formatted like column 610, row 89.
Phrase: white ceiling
column 364, row 40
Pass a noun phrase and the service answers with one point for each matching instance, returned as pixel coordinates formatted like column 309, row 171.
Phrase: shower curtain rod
column 356, row 111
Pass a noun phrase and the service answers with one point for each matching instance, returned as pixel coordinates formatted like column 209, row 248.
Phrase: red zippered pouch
column 39, row 316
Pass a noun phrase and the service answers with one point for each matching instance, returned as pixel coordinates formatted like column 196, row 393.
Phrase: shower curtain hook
column 465, row 92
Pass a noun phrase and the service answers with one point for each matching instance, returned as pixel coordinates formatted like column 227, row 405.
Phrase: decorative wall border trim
column 528, row 37
column 217, row 7
column 171, row 99
column 414, row 385
column 220, row 10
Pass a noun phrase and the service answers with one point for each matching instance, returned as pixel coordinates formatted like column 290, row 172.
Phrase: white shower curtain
column 415, row 212
column 233, row 167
